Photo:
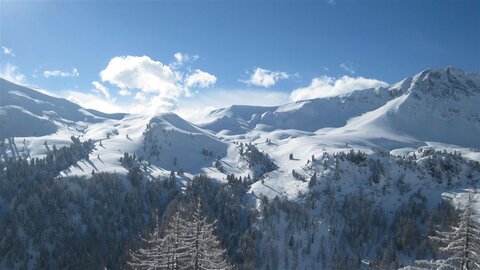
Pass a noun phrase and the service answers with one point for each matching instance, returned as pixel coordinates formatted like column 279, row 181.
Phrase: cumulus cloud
column 145, row 74
column 59, row 73
column 266, row 78
column 92, row 101
column 10, row 72
column 159, row 86
column 200, row 79
column 326, row 86
column 8, row 51
column 124, row 92
column 100, row 88
column 348, row 67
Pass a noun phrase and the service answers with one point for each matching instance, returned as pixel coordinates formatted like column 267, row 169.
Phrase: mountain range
column 415, row 142
column 434, row 107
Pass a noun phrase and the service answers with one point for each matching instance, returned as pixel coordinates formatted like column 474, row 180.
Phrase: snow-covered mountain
column 434, row 105
column 416, row 140
column 305, row 115
column 437, row 106
column 25, row 112
column 32, row 122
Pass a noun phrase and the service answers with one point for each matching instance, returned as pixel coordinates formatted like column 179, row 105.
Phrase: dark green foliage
column 357, row 157
column 128, row 160
column 226, row 203
column 377, row 169
column 258, row 161
column 42, row 168
column 363, row 221
column 291, row 242
column 72, row 223
column 298, row 176
column 313, row 180
column 207, row 152
column 135, row 176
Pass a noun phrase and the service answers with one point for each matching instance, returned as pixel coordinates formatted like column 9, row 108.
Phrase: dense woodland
column 52, row 222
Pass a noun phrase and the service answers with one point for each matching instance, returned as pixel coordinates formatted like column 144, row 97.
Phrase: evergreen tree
column 186, row 244
column 204, row 246
column 167, row 252
column 150, row 257
column 461, row 245
column 313, row 180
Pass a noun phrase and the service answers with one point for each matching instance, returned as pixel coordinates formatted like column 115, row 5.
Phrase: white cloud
column 100, row 88
column 348, row 67
column 140, row 96
column 92, row 101
column 149, row 105
column 10, row 72
column 8, row 51
column 200, row 79
column 326, row 86
column 145, row 74
column 160, row 86
column 124, row 92
column 181, row 58
column 59, row 73
column 265, row 77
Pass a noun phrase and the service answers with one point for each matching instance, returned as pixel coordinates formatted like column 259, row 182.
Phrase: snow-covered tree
column 174, row 244
column 461, row 245
column 186, row 244
column 167, row 252
column 154, row 256
column 204, row 246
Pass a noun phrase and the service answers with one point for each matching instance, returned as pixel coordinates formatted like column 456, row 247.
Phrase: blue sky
column 231, row 51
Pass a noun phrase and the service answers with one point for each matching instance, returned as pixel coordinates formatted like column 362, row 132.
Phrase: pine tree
column 186, row 244
column 174, row 246
column 461, row 245
column 150, row 257
column 313, row 180
column 168, row 252
column 205, row 249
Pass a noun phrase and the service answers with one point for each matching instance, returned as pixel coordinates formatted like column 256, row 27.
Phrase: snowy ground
column 435, row 109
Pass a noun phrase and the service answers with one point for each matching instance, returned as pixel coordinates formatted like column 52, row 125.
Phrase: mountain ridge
column 433, row 106
column 335, row 173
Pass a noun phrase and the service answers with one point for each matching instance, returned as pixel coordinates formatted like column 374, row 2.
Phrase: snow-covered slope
column 165, row 142
column 432, row 106
column 305, row 115
column 435, row 107
column 373, row 154
column 160, row 144
column 16, row 121
column 438, row 106
column 26, row 112
column 172, row 143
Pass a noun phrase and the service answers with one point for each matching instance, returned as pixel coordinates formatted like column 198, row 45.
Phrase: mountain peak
column 445, row 83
